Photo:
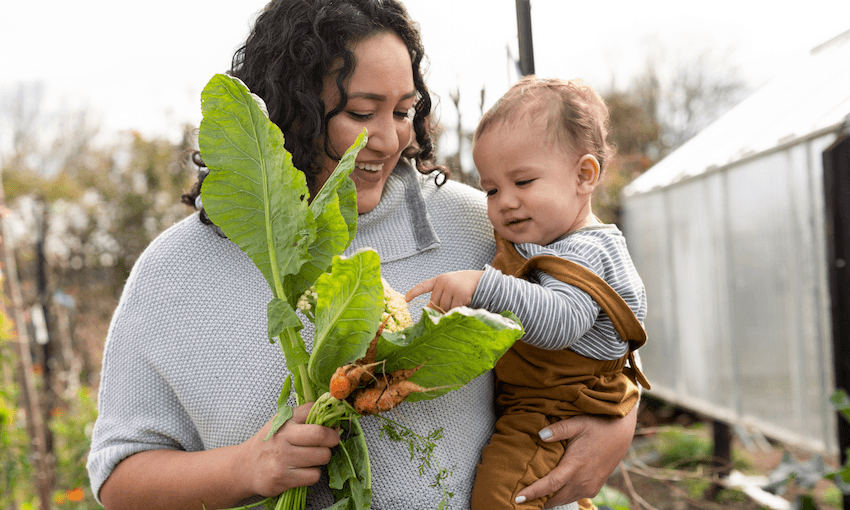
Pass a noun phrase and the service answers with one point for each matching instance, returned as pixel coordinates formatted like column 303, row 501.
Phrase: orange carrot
column 372, row 350
column 388, row 391
column 347, row 378
column 341, row 383
column 403, row 374
column 382, row 397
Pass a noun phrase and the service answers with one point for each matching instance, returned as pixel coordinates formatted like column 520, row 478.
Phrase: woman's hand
column 594, row 449
column 292, row 457
column 222, row 477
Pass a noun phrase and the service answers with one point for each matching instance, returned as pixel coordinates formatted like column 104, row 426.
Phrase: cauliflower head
column 396, row 314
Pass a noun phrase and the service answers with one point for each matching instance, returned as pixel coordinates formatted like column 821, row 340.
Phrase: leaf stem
column 299, row 372
column 293, row 499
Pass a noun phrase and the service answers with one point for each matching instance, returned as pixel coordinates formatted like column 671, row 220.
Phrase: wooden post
column 722, row 461
column 50, row 398
column 72, row 365
column 836, row 185
column 35, row 423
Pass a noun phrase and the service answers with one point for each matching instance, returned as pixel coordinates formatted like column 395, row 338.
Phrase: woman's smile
column 370, row 167
column 372, row 175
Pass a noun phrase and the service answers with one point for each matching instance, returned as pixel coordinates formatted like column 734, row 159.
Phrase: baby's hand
column 448, row 290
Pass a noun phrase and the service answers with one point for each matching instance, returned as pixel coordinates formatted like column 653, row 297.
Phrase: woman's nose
column 383, row 137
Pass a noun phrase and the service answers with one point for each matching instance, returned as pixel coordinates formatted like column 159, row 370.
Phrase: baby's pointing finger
column 419, row 289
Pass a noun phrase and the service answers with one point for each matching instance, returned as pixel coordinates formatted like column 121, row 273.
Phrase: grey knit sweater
column 188, row 365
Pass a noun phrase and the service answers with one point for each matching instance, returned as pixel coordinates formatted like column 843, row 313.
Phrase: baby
column 540, row 152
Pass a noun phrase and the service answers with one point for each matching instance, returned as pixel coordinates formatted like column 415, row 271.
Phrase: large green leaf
column 339, row 185
column 453, row 348
column 253, row 192
column 335, row 212
column 349, row 472
column 348, row 312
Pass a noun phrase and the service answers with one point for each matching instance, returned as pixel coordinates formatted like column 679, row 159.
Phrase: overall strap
column 509, row 261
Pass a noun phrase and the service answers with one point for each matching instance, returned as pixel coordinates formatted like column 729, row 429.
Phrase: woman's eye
column 525, row 182
column 360, row 116
column 401, row 115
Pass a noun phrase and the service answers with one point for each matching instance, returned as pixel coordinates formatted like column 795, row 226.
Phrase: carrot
column 347, row 378
column 388, row 391
column 372, row 350
column 382, row 397
column 402, row 374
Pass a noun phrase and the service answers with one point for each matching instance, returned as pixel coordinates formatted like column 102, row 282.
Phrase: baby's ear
column 588, row 173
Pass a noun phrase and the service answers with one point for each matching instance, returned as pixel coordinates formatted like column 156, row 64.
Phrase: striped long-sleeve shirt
column 557, row 315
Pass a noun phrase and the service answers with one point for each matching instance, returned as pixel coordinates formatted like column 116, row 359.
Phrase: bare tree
column 21, row 113
column 455, row 97
column 668, row 102
column 464, row 144
column 683, row 94
column 43, row 142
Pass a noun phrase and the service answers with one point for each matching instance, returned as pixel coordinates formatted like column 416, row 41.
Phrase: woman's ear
column 588, row 173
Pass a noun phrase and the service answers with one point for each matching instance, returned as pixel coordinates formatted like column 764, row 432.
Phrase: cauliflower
column 307, row 302
column 396, row 315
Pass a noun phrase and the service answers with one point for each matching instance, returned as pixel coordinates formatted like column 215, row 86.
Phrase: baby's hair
column 575, row 115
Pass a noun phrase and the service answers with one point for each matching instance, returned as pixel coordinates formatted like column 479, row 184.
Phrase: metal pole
column 526, row 46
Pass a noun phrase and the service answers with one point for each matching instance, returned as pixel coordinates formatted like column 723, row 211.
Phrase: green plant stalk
column 294, row 498
column 329, row 412
column 299, row 371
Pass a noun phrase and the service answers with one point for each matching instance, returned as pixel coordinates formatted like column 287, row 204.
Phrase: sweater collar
column 399, row 226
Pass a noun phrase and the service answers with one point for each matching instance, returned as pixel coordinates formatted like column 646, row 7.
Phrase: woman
column 190, row 381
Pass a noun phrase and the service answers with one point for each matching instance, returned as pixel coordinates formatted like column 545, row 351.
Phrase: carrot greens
column 257, row 197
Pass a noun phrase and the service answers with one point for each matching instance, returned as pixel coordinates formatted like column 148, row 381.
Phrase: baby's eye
column 490, row 192
column 525, row 182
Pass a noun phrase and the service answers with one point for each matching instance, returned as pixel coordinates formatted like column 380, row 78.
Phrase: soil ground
column 670, row 466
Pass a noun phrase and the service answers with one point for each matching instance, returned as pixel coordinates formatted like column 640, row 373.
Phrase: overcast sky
column 142, row 64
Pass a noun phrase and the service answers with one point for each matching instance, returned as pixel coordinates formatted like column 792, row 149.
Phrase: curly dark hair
column 291, row 49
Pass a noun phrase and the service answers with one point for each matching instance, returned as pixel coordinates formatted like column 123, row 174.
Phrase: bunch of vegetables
column 261, row 202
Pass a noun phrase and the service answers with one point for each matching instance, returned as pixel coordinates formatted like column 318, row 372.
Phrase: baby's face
column 532, row 183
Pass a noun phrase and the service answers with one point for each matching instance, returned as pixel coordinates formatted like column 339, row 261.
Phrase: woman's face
column 380, row 97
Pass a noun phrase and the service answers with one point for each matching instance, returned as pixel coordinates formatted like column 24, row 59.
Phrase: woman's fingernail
column 545, row 434
column 520, row 499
